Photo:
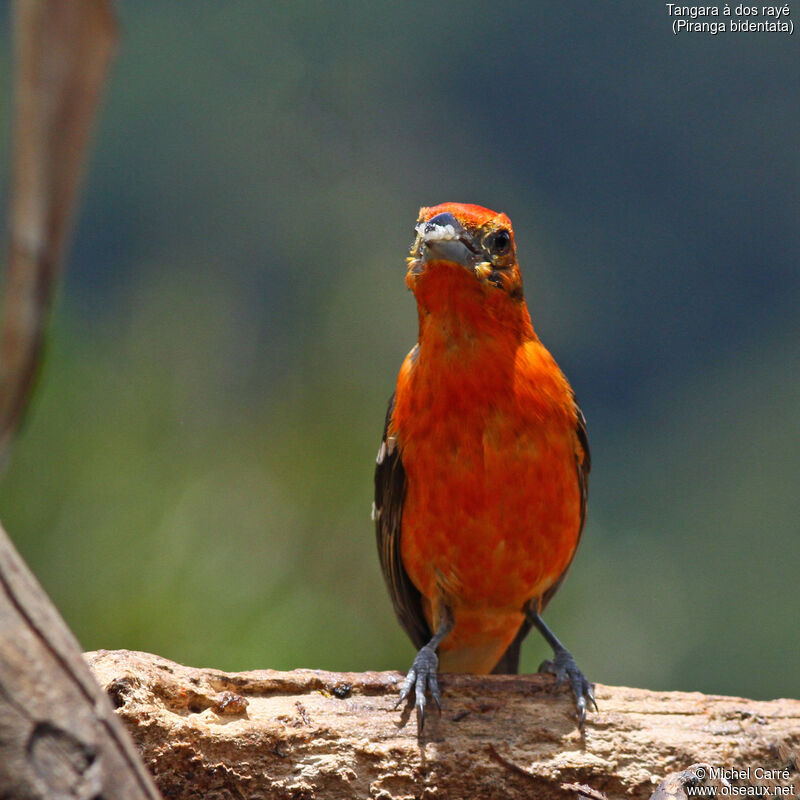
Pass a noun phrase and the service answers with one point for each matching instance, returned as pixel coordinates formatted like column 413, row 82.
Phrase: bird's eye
column 499, row 242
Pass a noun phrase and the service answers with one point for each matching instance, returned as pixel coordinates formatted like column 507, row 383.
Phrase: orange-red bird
column 482, row 473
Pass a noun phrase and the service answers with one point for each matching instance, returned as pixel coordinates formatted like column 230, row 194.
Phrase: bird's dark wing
column 390, row 492
column 583, row 464
column 584, row 461
column 509, row 663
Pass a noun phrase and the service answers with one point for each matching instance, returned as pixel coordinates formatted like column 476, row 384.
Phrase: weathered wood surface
column 59, row 736
column 314, row 734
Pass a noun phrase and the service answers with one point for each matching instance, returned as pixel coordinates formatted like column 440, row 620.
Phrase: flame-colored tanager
column 481, row 477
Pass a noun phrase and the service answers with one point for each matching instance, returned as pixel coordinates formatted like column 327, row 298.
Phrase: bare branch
column 59, row 737
column 314, row 734
column 62, row 52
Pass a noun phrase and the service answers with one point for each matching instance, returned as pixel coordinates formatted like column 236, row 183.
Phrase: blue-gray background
column 195, row 475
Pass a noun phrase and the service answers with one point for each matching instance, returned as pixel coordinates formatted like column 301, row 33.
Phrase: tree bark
column 59, row 736
column 313, row 734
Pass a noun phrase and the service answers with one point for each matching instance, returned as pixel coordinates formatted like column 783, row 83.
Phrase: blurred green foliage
column 195, row 475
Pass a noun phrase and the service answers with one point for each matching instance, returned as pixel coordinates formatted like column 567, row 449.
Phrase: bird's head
column 461, row 247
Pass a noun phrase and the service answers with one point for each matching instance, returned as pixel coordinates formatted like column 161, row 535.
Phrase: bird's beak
column 443, row 238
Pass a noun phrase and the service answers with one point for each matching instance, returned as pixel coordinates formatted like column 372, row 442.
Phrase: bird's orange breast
column 485, row 422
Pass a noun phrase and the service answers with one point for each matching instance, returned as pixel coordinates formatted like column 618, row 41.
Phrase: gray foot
column 565, row 669
column 422, row 678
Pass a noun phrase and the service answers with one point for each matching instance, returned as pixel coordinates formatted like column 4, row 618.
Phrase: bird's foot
column 565, row 669
column 423, row 679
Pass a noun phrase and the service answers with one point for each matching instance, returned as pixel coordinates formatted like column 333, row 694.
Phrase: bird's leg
column 563, row 666
column 422, row 675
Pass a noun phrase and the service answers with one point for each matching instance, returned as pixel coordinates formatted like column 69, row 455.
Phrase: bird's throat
column 457, row 310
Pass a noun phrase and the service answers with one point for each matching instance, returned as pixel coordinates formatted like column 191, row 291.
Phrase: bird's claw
column 565, row 669
column 422, row 677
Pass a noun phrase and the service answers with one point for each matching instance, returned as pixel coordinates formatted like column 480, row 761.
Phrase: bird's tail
column 509, row 663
